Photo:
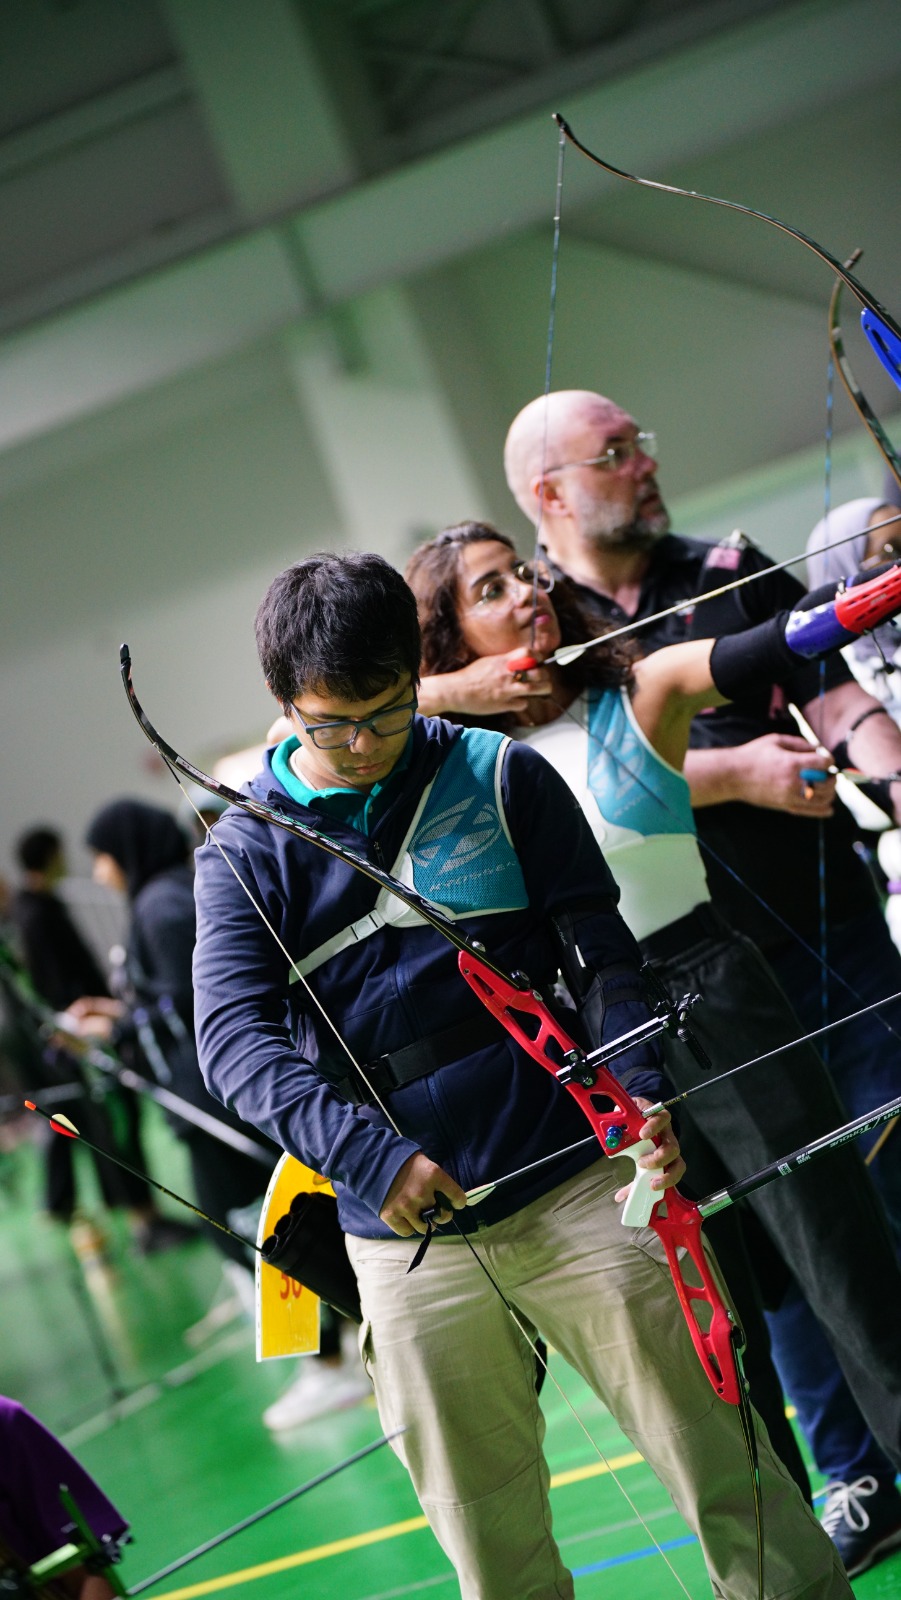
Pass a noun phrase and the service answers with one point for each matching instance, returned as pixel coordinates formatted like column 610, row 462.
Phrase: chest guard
column 457, row 852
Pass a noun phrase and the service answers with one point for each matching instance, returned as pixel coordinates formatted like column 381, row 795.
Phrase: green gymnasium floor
column 184, row 1453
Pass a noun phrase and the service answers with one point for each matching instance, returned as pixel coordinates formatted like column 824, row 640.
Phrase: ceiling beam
column 438, row 209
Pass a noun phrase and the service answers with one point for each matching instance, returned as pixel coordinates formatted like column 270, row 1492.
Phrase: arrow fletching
column 59, row 1122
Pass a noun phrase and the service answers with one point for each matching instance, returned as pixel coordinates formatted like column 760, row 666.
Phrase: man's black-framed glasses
column 617, row 456
column 333, row 735
column 499, row 590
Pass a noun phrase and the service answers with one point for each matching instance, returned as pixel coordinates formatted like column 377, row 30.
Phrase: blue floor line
column 634, row 1555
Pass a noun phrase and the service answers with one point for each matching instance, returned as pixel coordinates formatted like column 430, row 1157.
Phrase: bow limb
column 505, row 995
column 856, row 395
column 879, row 326
column 863, row 294
column 424, row 908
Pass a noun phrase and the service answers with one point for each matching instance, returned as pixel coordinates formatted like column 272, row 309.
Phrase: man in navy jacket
column 351, row 1039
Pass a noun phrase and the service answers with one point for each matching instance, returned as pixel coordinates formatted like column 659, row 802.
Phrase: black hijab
column 143, row 840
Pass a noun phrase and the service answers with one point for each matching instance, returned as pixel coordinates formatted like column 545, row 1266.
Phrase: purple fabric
column 33, row 1464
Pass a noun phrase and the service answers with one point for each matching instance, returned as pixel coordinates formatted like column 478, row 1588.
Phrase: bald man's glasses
column 617, row 456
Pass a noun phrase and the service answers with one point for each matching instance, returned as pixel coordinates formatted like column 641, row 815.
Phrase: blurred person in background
column 855, row 535
column 868, row 536
column 62, row 969
column 140, row 851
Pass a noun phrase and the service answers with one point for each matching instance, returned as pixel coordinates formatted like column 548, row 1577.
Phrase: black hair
column 37, row 848
column 342, row 625
column 142, row 839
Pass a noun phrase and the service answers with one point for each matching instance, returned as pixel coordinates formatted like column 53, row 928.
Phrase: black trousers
column 826, row 1220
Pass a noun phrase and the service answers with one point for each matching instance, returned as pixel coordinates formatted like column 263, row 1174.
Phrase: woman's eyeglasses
column 502, row 589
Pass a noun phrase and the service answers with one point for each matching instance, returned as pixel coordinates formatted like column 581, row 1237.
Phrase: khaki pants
column 450, row 1365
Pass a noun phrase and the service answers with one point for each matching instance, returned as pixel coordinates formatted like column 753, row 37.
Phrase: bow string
column 615, row 1118
column 879, row 326
column 522, row 1011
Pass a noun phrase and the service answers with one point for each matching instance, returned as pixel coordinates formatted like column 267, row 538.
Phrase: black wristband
column 871, row 711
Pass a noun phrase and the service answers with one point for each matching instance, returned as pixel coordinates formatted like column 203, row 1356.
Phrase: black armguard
column 755, row 656
column 610, row 1001
column 742, row 661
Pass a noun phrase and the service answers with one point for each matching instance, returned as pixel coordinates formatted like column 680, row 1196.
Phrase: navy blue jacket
column 265, row 1052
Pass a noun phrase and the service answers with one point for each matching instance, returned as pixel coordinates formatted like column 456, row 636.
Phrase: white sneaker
column 318, row 1390
column 242, row 1285
column 233, row 1301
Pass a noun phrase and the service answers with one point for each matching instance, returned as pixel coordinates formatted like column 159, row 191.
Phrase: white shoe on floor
column 319, row 1390
column 233, row 1302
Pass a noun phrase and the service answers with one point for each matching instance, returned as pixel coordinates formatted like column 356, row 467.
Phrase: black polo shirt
column 762, row 865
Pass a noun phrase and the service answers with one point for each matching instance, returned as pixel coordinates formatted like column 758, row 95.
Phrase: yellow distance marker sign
column 287, row 1314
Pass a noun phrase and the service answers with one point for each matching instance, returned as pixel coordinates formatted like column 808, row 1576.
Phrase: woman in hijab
column 140, row 850
column 853, row 536
column 869, row 531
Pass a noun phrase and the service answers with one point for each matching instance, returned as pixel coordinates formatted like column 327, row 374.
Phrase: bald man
column 584, row 474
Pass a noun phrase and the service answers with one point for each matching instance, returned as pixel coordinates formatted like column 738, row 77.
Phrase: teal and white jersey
column 637, row 804
column 458, row 852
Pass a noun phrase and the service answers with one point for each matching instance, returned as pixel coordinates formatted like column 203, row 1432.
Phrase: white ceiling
column 183, row 180
column 274, row 277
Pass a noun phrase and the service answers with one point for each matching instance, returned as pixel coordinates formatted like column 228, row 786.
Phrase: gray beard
column 638, row 535
column 599, row 525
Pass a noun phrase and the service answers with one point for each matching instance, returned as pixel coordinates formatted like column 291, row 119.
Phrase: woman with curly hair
column 616, row 727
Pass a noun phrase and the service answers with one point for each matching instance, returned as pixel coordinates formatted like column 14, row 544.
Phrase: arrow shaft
column 781, row 1168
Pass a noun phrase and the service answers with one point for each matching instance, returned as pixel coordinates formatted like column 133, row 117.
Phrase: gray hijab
column 827, row 566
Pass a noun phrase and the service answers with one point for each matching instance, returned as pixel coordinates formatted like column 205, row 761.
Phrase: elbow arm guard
column 826, row 622
column 822, row 622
